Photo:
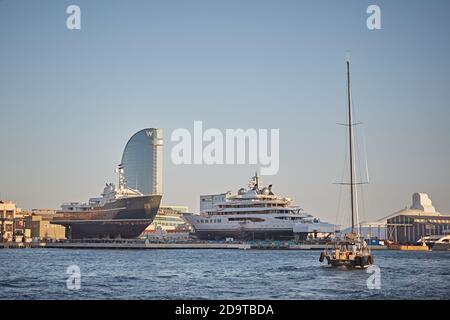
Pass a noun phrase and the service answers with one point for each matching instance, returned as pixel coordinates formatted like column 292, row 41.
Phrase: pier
column 142, row 245
column 292, row 245
column 139, row 245
column 21, row 245
column 126, row 245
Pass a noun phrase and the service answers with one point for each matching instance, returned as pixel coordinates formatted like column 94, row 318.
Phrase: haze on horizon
column 70, row 99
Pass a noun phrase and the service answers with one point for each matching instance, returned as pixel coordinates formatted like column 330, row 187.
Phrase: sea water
column 215, row 274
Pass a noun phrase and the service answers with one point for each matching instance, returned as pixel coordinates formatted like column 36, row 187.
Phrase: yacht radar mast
column 121, row 179
column 254, row 182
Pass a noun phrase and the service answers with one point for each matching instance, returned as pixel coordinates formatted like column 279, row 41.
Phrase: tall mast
column 350, row 138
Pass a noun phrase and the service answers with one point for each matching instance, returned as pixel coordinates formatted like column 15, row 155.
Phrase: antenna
column 347, row 54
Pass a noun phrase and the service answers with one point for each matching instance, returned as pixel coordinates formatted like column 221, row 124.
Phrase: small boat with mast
column 352, row 251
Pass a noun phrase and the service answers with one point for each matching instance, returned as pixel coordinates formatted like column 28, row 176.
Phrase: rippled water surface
column 216, row 274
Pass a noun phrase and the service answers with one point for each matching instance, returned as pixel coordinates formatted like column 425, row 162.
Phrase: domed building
column 419, row 220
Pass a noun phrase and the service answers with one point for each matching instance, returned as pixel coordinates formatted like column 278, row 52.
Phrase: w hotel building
column 142, row 161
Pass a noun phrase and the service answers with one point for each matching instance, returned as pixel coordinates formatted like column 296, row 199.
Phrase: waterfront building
column 40, row 227
column 420, row 220
column 161, row 235
column 12, row 227
column 142, row 161
column 208, row 202
column 169, row 218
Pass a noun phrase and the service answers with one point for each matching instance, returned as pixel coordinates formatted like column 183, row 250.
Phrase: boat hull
column 264, row 227
column 362, row 262
column 441, row 247
column 348, row 264
column 123, row 218
column 262, row 234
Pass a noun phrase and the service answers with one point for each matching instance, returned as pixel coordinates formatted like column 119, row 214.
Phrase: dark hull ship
column 121, row 212
column 123, row 218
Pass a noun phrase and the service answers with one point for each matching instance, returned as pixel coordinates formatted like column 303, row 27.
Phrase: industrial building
column 421, row 219
column 142, row 161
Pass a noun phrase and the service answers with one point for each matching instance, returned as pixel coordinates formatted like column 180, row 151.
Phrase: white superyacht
column 253, row 213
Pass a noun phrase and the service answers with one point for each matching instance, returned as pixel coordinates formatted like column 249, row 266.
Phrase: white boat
column 314, row 226
column 253, row 213
column 443, row 244
column 437, row 242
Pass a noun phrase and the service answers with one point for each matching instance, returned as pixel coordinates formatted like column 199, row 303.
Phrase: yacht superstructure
column 253, row 213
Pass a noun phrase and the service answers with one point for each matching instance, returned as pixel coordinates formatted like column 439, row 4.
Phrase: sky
column 71, row 99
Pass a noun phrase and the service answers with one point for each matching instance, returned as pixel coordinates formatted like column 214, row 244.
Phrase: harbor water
column 216, row 274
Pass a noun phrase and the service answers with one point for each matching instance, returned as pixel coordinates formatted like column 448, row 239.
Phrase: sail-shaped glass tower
column 142, row 161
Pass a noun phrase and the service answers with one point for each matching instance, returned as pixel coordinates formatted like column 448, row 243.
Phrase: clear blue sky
column 69, row 100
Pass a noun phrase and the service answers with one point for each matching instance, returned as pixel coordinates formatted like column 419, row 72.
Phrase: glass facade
column 142, row 161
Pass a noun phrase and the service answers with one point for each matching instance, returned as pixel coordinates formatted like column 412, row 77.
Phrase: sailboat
column 352, row 251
